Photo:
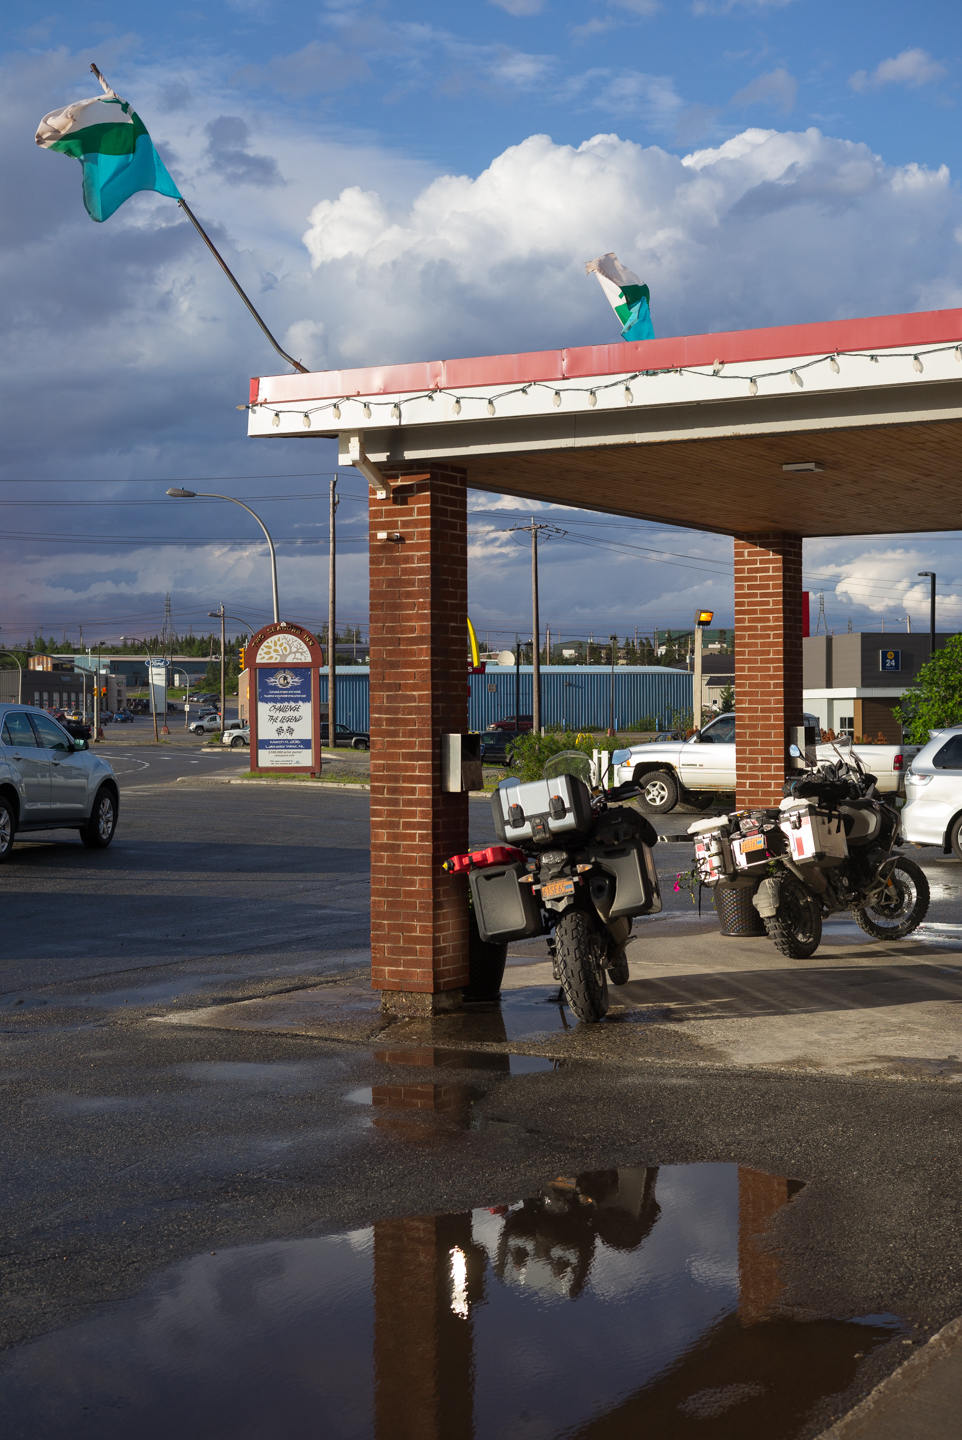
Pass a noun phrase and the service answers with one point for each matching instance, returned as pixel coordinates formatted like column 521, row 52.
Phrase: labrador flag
column 627, row 296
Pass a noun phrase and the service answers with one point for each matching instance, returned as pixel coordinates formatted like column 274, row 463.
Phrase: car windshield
column 722, row 731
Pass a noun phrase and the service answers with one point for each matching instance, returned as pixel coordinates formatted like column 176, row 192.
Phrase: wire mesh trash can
column 734, row 908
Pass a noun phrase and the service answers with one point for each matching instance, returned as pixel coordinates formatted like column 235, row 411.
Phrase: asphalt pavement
column 130, row 1146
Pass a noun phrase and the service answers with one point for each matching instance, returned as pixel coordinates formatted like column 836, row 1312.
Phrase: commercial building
column 853, row 682
column 54, row 681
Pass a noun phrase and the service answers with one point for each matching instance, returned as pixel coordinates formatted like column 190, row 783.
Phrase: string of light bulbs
column 717, row 371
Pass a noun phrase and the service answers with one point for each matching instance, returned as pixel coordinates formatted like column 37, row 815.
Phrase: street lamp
column 178, row 494
column 930, row 574
column 221, row 615
column 150, row 680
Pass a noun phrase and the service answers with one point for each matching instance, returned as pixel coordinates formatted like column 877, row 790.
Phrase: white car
column 932, row 814
column 236, row 734
column 206, row 724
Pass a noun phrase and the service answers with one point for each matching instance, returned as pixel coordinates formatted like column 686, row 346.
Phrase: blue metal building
column 577, row 696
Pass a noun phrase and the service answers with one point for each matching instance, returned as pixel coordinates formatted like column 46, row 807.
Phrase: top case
column 542, row 810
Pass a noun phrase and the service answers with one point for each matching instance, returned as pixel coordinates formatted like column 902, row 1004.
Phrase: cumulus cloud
column 913, row 68
column 770, row 227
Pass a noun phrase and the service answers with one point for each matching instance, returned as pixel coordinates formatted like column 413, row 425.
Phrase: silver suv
column 51, row 781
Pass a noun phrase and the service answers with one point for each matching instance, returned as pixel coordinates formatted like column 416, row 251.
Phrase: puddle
column 153, row 993
column 615, row 1304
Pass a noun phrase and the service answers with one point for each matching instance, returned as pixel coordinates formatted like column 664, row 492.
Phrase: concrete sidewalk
column 921, row 1400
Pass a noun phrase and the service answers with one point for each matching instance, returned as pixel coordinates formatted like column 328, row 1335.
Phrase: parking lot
column 152, row 1156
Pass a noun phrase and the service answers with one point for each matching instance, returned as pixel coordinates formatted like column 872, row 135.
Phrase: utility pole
column 222, row 612
column 931, row 577
column 332, row 628
column 702, row 619
column 611, row 710
column 536, row 532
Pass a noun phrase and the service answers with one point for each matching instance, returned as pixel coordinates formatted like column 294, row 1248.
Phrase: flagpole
column 223, row 265
column 302, row 369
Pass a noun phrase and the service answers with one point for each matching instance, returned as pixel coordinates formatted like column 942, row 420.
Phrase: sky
column 399, row 181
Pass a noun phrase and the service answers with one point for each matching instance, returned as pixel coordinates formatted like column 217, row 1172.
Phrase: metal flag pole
column 302, row 369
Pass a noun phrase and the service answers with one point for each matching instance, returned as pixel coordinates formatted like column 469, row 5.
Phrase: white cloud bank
column 913, row 68
column 770, row 227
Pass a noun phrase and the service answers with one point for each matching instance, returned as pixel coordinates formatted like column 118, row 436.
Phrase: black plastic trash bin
column 733, row 906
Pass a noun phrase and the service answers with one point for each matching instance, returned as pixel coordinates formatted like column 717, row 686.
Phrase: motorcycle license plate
column 551, row 889
column 753, row 842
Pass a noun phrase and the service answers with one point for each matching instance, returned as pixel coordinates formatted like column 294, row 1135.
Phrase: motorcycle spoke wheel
column 580, row 955
column 796, row 927
column 902, row 906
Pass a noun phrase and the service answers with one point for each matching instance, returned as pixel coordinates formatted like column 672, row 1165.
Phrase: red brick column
column 419, row 691
column 768, row 660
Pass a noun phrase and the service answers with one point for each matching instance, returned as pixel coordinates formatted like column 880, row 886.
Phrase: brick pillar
column 768, row 661
column 419, row 691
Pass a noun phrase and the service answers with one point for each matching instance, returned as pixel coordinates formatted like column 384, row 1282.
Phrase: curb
column 895, row 1392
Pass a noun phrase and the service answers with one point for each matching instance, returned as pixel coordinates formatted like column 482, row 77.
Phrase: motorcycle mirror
column 794, row 751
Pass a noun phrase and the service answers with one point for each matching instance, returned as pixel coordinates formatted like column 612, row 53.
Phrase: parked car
column 206, row 724
column 50, row 781
column 496, row 746
column 353, row 739
column 667, row 770
column 236, row 734
column 76, row 729
column 106, row 716
column 124, row 717
column 524, row 722
column 932, row 814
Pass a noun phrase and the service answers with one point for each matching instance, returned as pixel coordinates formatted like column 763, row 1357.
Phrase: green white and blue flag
column 629, row 299
column 111, row 142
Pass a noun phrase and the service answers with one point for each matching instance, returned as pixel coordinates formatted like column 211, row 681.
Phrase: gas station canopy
column 841, row 427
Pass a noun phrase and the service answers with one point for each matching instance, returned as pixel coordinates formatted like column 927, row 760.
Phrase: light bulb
column 306, row 422
column 556, row 398
column 874, row 359
column 457, row 407
column 490, row 407
column 836, row 368
column 793, row 377
column 753, row 387
column 367, row 411
column 276, row 420
column 917, row 364
column 337, row 412
column 592, row 399
column 629, row 398
column 718, row 367
column 428, row 395
column 395, row 411
column 958, row 352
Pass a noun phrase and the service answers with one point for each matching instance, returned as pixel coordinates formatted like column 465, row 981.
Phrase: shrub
column 935, row 700
column 528, row 755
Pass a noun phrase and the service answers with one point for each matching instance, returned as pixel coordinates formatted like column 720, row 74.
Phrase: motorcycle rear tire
column 916, row 915
column 580, row 948
column 796, row 927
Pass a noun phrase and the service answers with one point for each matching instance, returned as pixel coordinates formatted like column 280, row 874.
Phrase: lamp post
column 178, row 494
column 702, row 618
column 133, row 639
column 930, row 574
column 215, row 614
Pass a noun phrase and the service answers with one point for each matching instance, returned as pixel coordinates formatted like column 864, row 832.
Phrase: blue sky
column 316, row 140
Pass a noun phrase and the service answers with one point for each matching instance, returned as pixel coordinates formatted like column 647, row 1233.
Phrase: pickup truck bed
column 674, row 770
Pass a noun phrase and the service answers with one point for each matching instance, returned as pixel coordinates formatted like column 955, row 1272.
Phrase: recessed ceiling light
column 799, row 465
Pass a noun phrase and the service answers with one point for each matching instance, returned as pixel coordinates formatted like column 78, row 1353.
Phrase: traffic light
column 240, row 657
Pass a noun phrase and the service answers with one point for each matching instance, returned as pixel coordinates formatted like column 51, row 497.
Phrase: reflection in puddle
column 619, row 1303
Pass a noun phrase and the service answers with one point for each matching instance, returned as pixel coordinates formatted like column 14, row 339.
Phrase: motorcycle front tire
column 580, row 947
column 796, row 927
column 889, row 926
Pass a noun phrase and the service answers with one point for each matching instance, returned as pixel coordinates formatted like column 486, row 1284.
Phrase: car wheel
column 199, row 730
column 8, row 828
column 99, row 829
column 955, row 837
column 237, row 742
column 659, row 792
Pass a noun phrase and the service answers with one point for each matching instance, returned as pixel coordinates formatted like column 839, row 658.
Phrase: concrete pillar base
column 404, row 1003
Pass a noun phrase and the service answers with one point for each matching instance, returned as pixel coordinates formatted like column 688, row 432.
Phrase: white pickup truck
column 675, row 770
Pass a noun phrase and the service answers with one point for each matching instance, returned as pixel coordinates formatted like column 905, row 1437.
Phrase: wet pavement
column 505, row 1224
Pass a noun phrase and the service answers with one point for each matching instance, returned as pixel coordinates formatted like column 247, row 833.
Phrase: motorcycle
column 829, row 847
column 575, row 864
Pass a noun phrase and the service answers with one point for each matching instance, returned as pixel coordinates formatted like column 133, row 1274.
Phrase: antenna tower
column 821, row 614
